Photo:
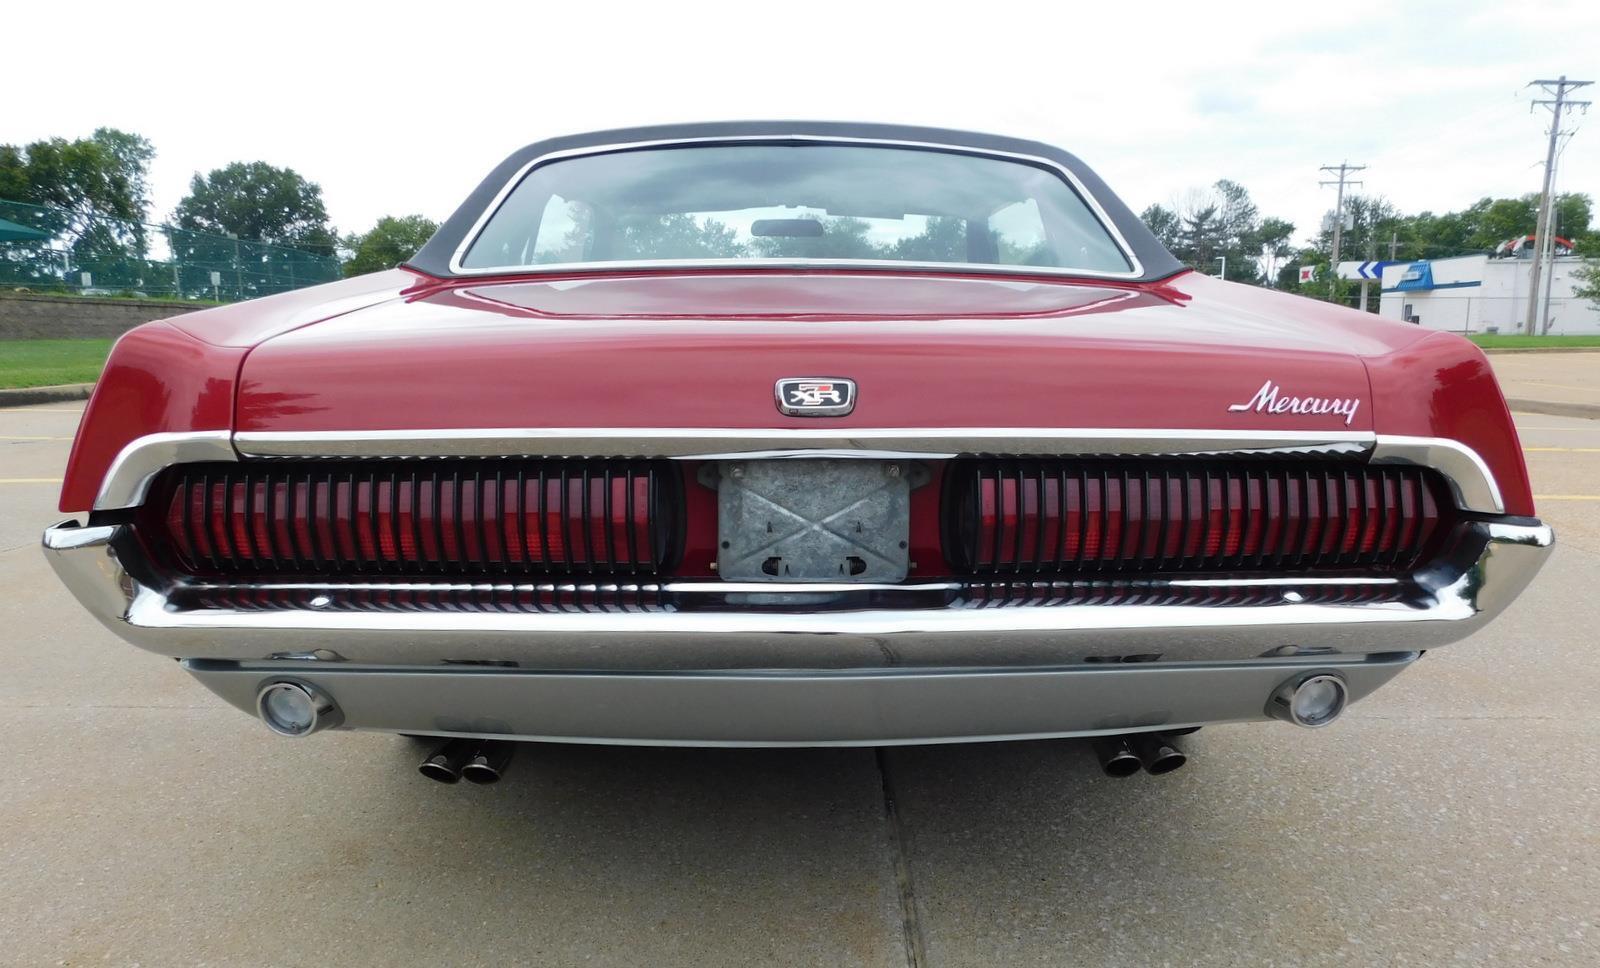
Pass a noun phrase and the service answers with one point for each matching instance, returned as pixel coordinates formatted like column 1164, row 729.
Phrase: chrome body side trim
column 130, row 474
column 720, row 442
column 1135, row 270
column 143, row 458
column 1470, row 479
column 1457, row 594
column 880, row 707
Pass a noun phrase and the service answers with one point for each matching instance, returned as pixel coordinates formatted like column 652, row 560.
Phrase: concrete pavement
column 1450, row 818
column 1565, row 384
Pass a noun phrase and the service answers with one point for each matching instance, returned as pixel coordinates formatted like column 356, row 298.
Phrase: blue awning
column 1417, row 275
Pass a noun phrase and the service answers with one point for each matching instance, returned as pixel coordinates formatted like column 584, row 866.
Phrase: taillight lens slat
column 444, row 517
column 1060, row 516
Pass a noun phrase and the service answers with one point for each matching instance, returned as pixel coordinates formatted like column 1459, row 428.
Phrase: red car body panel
column 399, row 351
column 179, row 374
column 157, row 380
column 707, row 351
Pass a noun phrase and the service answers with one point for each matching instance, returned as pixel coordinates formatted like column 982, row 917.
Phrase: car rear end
column 769, row 497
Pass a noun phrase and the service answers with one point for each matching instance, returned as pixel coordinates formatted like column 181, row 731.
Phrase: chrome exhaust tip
column 488, row 762
column 1310, row 701
column 446, row 761
column 1158, row 753
column 291, row 708
column 1116, row 756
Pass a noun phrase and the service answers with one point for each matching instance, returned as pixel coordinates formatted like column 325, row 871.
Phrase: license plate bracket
column 813, row 520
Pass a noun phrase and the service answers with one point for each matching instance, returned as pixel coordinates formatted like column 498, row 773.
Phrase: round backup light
column 296, row 709
column 1311, row 702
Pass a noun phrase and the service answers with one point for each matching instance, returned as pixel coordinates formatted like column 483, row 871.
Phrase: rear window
column 794, row 203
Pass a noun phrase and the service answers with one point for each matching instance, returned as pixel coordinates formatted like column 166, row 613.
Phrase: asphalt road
column 1452, row 818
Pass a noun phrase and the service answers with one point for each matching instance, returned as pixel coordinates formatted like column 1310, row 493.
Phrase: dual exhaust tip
column 1155, row 753
column 482, row 761
column 1311, row 701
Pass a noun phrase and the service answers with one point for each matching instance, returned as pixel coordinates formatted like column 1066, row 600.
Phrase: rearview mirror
column 787, row 228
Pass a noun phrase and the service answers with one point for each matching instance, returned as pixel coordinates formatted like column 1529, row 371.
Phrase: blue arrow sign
column 1371, row 270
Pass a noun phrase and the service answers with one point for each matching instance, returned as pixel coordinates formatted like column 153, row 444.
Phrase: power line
column 1344, row 168
column 1544, row 232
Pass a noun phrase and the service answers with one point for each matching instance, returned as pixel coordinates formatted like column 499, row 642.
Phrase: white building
column 1477, row 294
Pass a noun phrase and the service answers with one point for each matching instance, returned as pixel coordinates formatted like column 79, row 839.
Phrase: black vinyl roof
column 434, row 257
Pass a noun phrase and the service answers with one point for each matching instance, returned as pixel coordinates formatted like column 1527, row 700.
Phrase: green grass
column 1498, row 341
column 46, row 362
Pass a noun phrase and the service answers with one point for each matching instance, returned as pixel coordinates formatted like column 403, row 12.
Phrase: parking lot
column 1452, row 818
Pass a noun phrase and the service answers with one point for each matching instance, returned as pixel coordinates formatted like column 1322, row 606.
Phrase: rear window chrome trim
column 1471, row 481
column 458, row 257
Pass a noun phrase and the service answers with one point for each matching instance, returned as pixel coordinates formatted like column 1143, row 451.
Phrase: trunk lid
column 705, row 350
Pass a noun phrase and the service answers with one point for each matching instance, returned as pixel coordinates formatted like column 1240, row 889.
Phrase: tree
column 258, row 202
column 104, row 174
column 1588, row 287
column 1220, row 222
column 1371, row 223
column 1271, row 239
column 387, row 244
column 95, row 196
column 1164, row 223
column 1488, row 222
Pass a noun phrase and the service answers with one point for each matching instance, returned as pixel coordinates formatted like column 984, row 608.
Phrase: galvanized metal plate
column 813, row 520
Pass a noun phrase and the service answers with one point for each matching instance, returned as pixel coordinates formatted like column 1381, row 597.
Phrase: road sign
column 1362, row 270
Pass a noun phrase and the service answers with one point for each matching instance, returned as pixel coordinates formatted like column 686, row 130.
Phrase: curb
column 1590, row 411
column 27, row 396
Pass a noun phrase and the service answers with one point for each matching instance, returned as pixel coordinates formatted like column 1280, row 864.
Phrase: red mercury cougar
column 793, row 434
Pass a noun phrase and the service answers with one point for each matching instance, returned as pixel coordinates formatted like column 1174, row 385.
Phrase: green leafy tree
column 1200, row 235
column 387, row 244
column 675, row 236
column 105, row 174
column 96, row 194
column 943, row 239
column 258, row 202
column 1371, row 224
column 1588, row 282
column 1208, row 225
column 1272, row 240
column 1164, row 223
column 1488, row 222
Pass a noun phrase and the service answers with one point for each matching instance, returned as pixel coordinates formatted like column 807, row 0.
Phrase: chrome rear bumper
column 1452, row 598
column 884, row 707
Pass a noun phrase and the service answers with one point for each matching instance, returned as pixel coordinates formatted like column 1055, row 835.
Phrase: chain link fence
column 57, row 250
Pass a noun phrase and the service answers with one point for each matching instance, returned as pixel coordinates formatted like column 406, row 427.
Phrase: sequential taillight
column 442, row 517
column 1052, row 516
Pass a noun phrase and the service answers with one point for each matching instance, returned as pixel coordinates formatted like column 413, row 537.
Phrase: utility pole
column 1543, row 225
column 1372, row 244
column 1344, row 168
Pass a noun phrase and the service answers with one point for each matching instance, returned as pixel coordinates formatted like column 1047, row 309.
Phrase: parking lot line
column 1566, row 497
column 15, row 437
column 30, row 480
column 1561, row 450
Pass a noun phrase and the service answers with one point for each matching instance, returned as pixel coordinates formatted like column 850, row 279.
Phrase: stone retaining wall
column 26, row 316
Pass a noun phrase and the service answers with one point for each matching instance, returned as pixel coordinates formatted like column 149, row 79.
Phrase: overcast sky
column 404, row 108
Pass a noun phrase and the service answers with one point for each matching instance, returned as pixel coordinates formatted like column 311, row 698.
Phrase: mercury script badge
column 815, row 396
column 1271, row 399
